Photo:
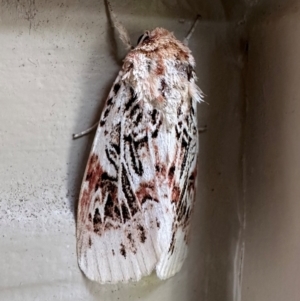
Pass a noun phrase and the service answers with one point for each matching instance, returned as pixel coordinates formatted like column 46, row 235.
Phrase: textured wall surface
column 272, row 192
column 58, row 60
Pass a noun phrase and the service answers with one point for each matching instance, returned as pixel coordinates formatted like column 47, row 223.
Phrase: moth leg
column 202, row 129
column 85, row 132
column 123, row 33
column 188, row 36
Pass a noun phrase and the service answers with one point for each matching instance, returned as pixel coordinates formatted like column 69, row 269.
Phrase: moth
column 138, row 189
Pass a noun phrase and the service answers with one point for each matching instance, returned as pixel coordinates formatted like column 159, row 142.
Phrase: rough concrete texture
column 58, row 61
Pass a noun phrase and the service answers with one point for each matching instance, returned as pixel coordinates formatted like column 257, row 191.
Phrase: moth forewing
column 138, row 189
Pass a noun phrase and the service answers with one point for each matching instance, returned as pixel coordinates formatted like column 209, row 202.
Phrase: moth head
column 144, row 37
column 155, row 36
column 160, row 43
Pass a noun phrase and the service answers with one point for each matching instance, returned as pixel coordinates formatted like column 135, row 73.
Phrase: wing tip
column 106, row 277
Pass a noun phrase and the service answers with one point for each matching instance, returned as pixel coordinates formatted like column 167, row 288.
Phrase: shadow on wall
column 219, row 202
column 273, row 166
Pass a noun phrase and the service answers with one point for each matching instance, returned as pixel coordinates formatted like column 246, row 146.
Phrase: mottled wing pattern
column 118, row 210
column 138, row 190
column 182, row 173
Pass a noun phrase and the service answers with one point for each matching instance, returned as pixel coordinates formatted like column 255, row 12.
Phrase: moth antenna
column 123, row 33
column 85, row 132
column 188, row 36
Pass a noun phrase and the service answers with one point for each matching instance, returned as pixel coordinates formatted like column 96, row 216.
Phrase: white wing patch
column 138, row 189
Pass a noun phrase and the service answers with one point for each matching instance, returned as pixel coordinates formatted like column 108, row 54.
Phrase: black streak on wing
column 106, row 177
column 116, row 88
column 192, row 111
column 116, row 148
column 125, row 213
column 97, row 221
column 109, row 104
column 134, row 110
column 142, row 233
column 172, row 245
column 190, row 71
column 122, row 250
column 154, row 116
column 129, row 195
column 148, row 197
column 110, row 159
column 171, row 172
column 133, row 150
column 185, row 145
column 131, row 100
column 109, row 101
column 109, row 207
column 177, row 133
column 155, row 134
column 117, row 212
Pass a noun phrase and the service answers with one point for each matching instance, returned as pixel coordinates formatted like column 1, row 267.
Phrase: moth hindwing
column 138, row 189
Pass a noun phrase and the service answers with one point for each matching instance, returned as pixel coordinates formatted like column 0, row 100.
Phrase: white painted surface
column 58, row 61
